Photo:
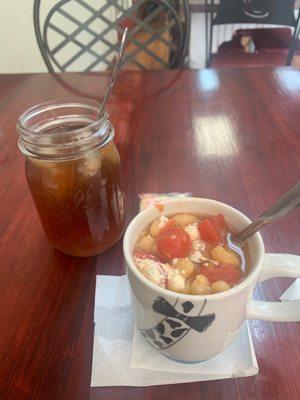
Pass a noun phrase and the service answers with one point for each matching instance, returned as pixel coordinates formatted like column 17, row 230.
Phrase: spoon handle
column 115, row 71
column 286, row 203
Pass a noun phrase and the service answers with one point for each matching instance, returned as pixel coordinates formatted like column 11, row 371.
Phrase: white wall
column 19, row 50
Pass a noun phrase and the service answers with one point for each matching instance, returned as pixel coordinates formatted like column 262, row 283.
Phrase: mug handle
column 277, row 265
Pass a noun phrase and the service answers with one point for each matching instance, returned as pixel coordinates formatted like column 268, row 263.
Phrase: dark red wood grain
column 230, row 135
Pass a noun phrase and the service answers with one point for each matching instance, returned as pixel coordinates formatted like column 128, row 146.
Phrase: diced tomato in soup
column 212, row 230
column 222, row 272
column 174, row 242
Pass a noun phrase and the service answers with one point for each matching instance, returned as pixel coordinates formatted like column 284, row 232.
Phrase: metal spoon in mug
column 115, row 71
column 286, row 203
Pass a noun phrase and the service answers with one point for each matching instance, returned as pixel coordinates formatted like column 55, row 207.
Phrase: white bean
column 154, row 229
column 146, row 243
column 184, row 219
column 219, row 286
column 200, row 285
column 224, row 256
column 184, row 266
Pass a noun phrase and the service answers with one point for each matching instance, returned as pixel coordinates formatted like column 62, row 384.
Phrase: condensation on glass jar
column 73, row 171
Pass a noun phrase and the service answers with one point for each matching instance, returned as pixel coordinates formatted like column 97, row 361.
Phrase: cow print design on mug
column 176, row 324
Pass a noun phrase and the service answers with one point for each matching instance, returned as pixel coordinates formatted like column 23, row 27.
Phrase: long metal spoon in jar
column 115, row 71
column 286, row 203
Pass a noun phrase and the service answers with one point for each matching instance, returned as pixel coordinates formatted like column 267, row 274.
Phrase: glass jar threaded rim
column 63, row 129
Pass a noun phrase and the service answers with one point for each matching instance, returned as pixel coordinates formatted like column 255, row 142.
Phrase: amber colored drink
column 79, row 201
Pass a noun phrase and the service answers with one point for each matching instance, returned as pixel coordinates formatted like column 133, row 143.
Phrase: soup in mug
column 188, row 253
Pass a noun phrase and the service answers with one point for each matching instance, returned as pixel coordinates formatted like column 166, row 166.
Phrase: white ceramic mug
column 193, row 327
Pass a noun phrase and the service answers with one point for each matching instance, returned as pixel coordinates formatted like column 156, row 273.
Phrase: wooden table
column 231, row 135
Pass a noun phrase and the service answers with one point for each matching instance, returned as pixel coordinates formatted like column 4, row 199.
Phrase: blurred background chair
column 253, row 47
column 84, row 35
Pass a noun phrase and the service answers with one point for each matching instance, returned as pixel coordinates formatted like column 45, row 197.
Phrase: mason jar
column 73, row 171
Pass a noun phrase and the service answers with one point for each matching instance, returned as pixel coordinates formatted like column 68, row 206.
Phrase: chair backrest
column 83, row 35
column 277, row 12
column 273, row 12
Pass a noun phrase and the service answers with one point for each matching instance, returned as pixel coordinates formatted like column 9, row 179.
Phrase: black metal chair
column 78, row 36
column 273, row 12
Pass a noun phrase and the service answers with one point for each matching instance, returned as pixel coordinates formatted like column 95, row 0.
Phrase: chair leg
column 206, row 34
column 210, row 33
column 291, row 53
column 294, row 41
column 210, row 47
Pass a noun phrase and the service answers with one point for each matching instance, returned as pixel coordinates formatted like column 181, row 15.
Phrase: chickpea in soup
column 186, row 253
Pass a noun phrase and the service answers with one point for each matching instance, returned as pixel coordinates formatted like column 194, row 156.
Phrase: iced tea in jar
column 73, row 172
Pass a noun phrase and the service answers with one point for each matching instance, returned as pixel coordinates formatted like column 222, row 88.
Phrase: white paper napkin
column 122, row 357
column 292, row 292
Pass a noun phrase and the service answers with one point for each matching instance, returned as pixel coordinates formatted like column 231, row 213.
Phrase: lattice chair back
column 84, row 35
